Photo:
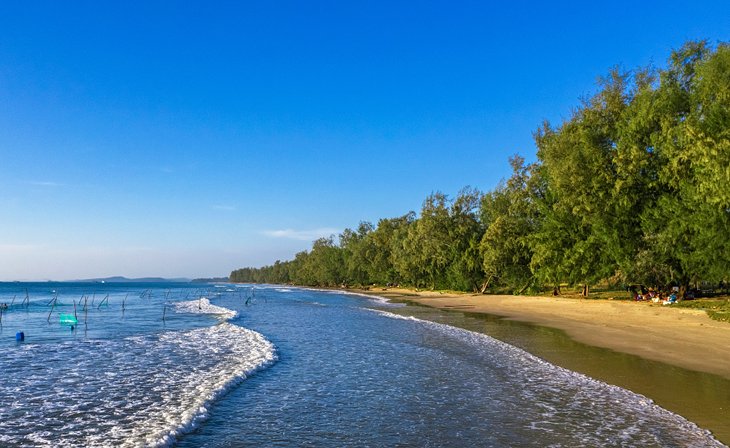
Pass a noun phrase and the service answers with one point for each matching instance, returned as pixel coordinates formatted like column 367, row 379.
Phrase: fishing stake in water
column 106, row 299
column 55, row 299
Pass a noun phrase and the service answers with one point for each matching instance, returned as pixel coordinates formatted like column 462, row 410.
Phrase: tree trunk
column 485, row 285
column 524, row 288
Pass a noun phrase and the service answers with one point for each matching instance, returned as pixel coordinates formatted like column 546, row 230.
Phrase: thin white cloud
column 45, row 184
column 303, row 235
column 226, row 208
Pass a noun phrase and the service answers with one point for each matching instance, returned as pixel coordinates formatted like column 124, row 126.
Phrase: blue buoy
column 20, row 336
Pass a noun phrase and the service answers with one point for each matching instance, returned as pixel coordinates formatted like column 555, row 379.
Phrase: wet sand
column 677, row 357
column 677, row 336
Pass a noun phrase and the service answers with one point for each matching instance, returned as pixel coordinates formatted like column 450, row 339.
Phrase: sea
column 237, row 365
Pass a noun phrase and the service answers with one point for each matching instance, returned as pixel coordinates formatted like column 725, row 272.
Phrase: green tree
column 384, row 246
column 425, row 251
column 579, row 164
column 355, row 245
column 691, row 222
column 510, row 215
column 465, row 233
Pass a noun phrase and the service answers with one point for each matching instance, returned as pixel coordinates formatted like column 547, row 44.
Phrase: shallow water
column 348, row 375
column 701, row 397
column 289, row 367
column 123, row 376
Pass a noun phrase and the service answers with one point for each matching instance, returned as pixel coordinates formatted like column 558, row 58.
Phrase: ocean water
column 271, row 366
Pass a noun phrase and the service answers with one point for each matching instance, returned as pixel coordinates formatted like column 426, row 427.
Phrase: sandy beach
column 682, row 337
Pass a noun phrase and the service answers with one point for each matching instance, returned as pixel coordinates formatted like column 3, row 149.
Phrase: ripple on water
column 560, row 401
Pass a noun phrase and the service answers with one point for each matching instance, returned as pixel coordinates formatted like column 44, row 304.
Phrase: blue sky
column 192, row 138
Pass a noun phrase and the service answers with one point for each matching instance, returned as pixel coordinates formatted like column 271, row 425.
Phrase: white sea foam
column 620, row 417
column 203, row 306
column 380, row 300
column 136, row 391
column 375, row 298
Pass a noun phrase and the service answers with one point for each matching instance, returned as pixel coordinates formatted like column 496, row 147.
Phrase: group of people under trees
column 665, row 297
column 673, row 294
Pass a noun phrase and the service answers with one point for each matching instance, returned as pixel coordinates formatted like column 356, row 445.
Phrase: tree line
column 633, row 188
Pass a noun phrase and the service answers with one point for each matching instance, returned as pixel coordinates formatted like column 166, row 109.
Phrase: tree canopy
column 634, row 187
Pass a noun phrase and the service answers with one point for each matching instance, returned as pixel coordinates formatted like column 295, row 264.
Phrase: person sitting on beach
column 672, row 299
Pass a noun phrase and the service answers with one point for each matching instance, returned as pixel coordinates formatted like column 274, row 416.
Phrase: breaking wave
column 142, row 390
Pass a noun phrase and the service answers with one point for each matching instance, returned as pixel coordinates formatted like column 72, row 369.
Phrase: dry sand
column 678, row 336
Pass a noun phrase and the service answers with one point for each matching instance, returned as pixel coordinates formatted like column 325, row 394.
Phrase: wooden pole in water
column 27, row 298
column 123, row 301
column 77, row 317
column 164, row 310
column 105, row 299
column 51, row 312
column 11, row 302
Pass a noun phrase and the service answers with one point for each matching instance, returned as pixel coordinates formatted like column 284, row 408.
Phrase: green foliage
column 510, row 216
column 717, row 309
column 355, row 245
column 633, row 187
column 579, row 164
column 465, row 233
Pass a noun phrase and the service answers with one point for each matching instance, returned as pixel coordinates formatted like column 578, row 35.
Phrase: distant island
column 210, row 280
column 120, row 279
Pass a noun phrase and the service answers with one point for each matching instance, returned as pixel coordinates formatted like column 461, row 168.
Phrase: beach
column 216, row 367
column 680, row 337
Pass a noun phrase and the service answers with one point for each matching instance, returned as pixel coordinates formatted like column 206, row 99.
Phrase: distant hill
column 119, row 279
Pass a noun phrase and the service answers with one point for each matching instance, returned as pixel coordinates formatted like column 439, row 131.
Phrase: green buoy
column 68, row 319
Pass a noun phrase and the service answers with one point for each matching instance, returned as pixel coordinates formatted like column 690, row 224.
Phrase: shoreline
column 681, row 337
